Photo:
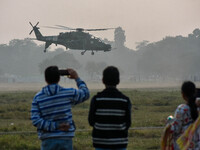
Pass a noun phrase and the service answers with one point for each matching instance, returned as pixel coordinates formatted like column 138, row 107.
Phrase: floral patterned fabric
column 182, row 120
column 186, row 140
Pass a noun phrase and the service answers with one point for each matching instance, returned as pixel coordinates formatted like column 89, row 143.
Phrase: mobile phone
column 63, row 72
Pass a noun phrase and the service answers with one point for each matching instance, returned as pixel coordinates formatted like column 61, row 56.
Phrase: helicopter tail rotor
column 34, row 27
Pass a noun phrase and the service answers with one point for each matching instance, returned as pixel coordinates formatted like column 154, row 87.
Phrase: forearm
column 39, row 122
column 82, row 93
column 42, row 124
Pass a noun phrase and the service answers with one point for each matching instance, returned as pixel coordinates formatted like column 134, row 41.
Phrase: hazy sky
column 149, row 20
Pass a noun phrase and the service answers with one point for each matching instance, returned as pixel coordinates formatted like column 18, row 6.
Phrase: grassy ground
column 150, row 107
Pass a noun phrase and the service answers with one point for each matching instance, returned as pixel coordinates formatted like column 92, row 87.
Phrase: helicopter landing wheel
column 82, row 53
column 92, row 53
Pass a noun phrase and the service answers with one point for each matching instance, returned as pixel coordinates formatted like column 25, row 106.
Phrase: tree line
column 170, row 58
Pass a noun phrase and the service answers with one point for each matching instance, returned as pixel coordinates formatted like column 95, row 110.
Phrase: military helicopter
column 76, row 39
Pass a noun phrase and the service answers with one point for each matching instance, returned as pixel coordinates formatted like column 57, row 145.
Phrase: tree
column 174, row 57
column 90, row 68
column 120, row 37
column 196, row 33
column 95, row 68
column 62, row 60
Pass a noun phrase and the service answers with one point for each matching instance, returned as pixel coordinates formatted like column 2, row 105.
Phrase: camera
column 63, row 72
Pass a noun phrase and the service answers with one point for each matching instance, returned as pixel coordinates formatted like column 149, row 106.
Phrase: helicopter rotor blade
column 99, row 29
column 30, row 32
column 52, row 27
column 37, row 23
column 64, row 27
column 76, row 29
column 31, row 24
column 59, row 27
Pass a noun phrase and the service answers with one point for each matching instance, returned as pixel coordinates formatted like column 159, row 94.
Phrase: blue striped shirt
column 52, row 106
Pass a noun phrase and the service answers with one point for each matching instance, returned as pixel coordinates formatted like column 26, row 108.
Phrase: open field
column 150, row 108
column 91, row 85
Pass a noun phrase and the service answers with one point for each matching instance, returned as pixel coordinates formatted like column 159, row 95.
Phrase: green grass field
column 150, row 108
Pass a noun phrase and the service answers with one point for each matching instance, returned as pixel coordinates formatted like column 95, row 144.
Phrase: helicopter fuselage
column 78, row 40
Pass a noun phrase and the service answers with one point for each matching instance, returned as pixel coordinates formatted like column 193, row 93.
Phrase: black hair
column 111, row 76
column 189, row 90
column 52, row 75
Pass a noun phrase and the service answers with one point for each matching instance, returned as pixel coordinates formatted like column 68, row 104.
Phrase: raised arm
column 82, row 93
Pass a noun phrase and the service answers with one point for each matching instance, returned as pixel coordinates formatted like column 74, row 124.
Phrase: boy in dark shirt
column 110, row 114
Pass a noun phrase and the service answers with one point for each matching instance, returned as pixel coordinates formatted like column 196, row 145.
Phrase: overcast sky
column 149, row 20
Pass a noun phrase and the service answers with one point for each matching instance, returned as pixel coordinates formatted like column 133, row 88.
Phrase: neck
column 51, row 83
column 110, row 86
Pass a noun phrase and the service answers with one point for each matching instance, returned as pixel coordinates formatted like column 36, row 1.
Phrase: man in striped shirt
column 51, row 110
column 110, row 114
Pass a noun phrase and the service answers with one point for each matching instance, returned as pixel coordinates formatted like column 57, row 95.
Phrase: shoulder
column 183, row 108
column 111, row 94
column 66, row 90
column 123, row 96
column 39, row 94
column 62, row 89
column 100, row 94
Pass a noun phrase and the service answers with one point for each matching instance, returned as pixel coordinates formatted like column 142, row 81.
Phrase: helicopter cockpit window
column 99, row 40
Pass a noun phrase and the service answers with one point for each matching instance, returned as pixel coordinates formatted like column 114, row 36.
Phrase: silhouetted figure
column 110, row 114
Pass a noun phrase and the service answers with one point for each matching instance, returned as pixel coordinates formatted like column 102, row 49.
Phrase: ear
column 118, row 82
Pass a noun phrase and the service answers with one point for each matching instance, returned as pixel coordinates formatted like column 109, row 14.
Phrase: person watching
column 185, row 114
column 51, row 110
column 110, row 114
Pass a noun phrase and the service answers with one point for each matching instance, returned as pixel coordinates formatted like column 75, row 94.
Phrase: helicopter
column 76, row 39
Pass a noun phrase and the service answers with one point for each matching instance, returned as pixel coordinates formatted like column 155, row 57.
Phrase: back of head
column 111, row 76
column 189, row 89
column 52, row 75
